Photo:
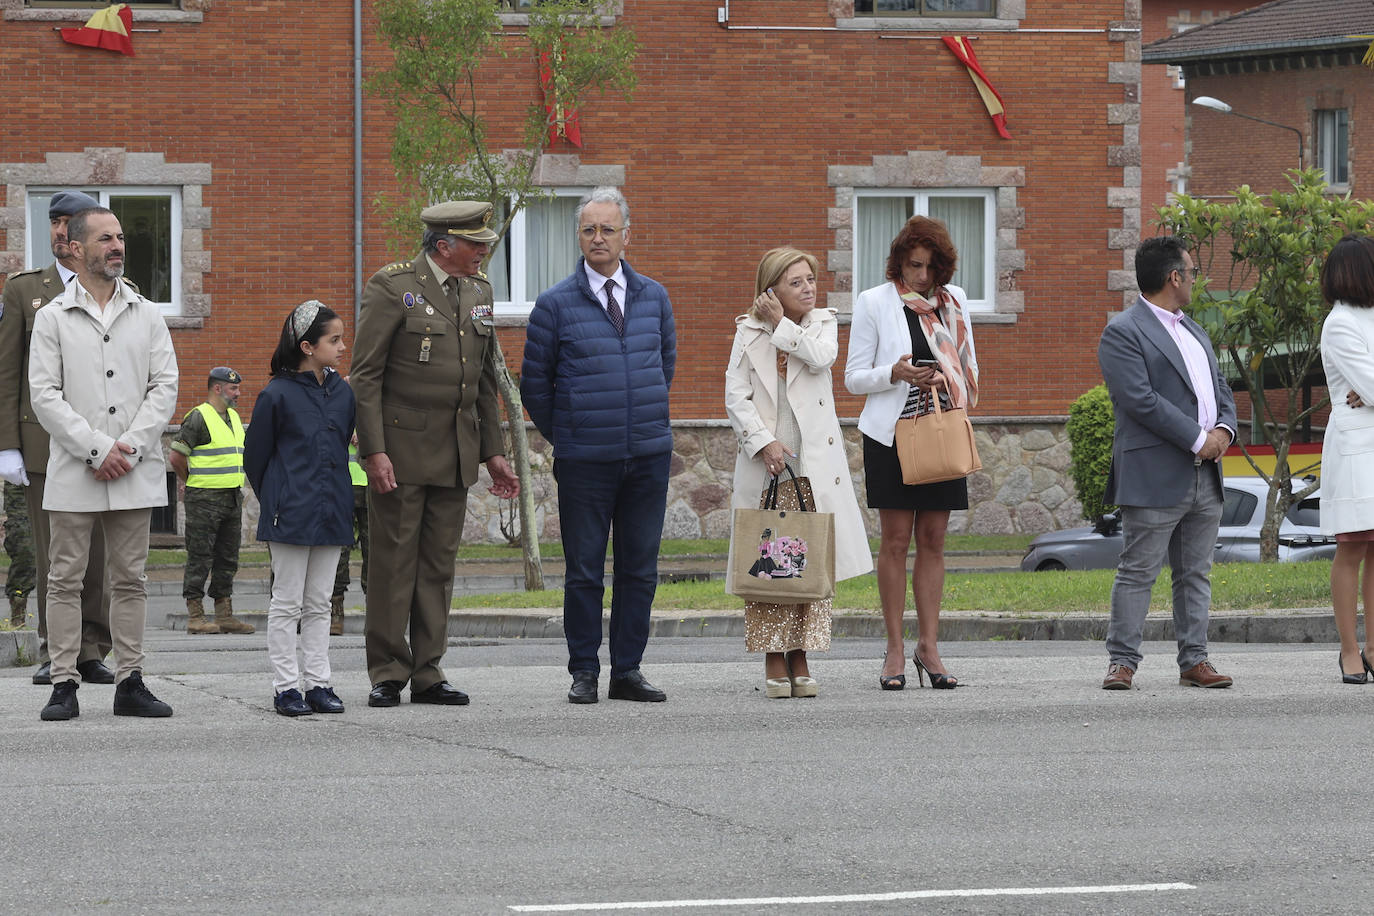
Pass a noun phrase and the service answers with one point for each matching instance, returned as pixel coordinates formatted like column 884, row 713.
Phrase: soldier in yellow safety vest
column 207, row 455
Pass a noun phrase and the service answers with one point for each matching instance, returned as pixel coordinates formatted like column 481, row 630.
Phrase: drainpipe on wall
column 357, row 160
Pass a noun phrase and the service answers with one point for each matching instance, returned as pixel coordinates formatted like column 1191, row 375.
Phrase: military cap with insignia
column 224, row 374
column 467, row 219
column 70, row 203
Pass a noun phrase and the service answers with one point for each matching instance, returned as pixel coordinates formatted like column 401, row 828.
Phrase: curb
column 18, row 648
column 1301, row 627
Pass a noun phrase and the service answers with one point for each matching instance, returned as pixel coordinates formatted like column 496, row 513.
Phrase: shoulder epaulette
column 395, row 266
column 24, row 273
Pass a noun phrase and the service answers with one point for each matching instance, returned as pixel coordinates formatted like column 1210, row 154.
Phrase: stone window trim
column 18, row 10
column 616, row 9
column 1007, row 18
column 111, row 167
column 919, row 169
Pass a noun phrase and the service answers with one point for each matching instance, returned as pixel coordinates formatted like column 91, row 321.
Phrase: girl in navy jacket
column 296, row 458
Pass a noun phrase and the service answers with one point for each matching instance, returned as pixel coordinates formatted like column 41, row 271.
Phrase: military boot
column 19, row 611
column 336, row 615
column 225, row 619
column 196, row 621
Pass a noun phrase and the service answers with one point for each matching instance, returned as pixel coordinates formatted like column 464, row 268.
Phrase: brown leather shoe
column 1203, row 675
column 1118, row 677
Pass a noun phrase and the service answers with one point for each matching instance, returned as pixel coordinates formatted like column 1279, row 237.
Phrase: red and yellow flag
column 563, row 121
column 109, row 29
column 991, row 98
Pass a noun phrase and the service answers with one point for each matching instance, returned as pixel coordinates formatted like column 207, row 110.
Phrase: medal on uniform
column 408, row 300
column 424, row 350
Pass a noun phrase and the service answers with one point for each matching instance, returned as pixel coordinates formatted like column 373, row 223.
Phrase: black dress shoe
column 94, row 671
column 583, row 688
column 44, row 674
column 387, row 693
column 632, row 686
column 324, row 699
column 62, row 704
column 441, row 694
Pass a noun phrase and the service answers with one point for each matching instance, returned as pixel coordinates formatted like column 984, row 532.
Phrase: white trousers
column 302, row 581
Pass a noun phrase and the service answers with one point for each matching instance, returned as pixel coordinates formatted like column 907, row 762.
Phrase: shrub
column 1091, row 421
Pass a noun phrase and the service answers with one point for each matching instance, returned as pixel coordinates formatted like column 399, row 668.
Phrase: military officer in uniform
column 424, row 374
column 207, row 455
column 24, row 443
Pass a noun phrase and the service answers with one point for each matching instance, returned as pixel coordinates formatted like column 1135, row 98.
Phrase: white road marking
column 854, row 898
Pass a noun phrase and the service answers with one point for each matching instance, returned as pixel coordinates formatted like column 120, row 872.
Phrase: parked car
column 1242, row 514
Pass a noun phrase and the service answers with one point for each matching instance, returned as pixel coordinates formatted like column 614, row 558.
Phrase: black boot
column 133, row 698
column 62, row 704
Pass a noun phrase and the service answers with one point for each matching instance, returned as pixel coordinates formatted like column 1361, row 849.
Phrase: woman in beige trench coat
column 780, row 399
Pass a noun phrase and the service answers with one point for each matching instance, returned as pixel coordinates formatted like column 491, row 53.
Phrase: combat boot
column 19, row 611
column 225, row 619
column 336, row 615
column 196, row 621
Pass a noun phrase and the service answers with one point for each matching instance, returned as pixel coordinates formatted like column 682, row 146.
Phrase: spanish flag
column 109, row 29
column 964, row 51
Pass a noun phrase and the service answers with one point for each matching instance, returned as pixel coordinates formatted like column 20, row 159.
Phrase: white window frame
column 521, row 302
column 921, row 206
column 38, row 227
column 1324, row 133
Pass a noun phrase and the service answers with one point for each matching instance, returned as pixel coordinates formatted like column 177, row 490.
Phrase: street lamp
column 1206, row 101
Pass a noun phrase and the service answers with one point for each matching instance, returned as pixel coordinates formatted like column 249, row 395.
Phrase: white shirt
column 1199, row 371
column 598, row 283
column 65, row 274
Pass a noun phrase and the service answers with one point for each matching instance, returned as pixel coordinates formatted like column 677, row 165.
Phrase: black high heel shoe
column 891, row 681
column 937, row 681
column 1360, row 678
column 1367, row 666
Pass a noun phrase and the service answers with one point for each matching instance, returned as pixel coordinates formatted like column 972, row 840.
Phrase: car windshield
column 1306, row 513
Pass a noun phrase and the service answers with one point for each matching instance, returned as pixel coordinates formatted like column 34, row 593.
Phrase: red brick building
column 228, row 143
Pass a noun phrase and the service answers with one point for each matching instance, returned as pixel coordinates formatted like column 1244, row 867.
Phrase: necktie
column 451, row 287
column 613, row 309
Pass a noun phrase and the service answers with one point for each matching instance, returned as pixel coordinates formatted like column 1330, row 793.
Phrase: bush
column 1090, row 426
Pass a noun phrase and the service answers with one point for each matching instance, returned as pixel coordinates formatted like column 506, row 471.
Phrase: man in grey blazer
column 1175, row 417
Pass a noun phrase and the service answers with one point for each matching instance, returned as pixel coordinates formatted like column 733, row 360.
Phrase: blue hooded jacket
column 295, row 453
column 594, row 394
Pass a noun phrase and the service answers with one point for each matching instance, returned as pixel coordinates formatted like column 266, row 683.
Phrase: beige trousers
column 95, row 598
column 126, row 554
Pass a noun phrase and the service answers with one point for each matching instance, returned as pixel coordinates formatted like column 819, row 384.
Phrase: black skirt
column 883, row 481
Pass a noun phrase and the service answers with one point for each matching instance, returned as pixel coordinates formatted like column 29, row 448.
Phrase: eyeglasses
column 591, row 232
column 1192, row 273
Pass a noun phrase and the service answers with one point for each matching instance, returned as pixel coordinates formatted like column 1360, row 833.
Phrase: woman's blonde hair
column 775, row 264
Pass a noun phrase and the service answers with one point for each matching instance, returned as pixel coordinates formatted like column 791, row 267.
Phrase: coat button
column 109, row 373
column 107, row 338
column 821, row 402
column 837, row 481
column 88, row 461
column 112, row 410
column 830, row 441
column 94, row 454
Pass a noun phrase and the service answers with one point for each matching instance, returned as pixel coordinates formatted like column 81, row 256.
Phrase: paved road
column 1247, row 800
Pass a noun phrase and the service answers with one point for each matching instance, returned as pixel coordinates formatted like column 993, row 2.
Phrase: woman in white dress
column 1347, row 503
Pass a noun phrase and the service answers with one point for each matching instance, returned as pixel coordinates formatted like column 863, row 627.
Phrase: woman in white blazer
column 1347, row 501
column 911, row 338
column 780, row 399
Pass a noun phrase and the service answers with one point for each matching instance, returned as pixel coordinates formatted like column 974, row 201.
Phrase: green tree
column 1265, row 315
column 1090, row 428
column 446, row 59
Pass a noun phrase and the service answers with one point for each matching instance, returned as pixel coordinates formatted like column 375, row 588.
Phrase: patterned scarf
column 954, row 352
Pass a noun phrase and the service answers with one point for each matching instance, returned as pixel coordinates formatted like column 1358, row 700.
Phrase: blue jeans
column 594, row 499
column 1187, row 535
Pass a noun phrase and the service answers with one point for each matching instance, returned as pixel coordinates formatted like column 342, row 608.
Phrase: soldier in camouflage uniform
column 207, row 455
column 19, row 546
column 359, row 478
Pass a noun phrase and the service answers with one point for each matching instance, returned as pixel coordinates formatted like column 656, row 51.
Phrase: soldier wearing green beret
column 424, row 373
column 207, row 455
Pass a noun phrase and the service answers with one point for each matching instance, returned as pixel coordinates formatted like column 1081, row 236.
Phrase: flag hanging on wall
column 563, row 121
column 991, row 98
column 109, row 29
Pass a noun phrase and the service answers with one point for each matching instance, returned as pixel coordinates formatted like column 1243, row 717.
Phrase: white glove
column 12, row 467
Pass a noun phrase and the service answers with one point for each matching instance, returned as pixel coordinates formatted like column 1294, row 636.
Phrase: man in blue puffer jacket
column 599, row 357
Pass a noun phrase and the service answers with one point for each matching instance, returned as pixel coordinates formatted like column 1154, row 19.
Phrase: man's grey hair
column 431, row 239
column 602, row 195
